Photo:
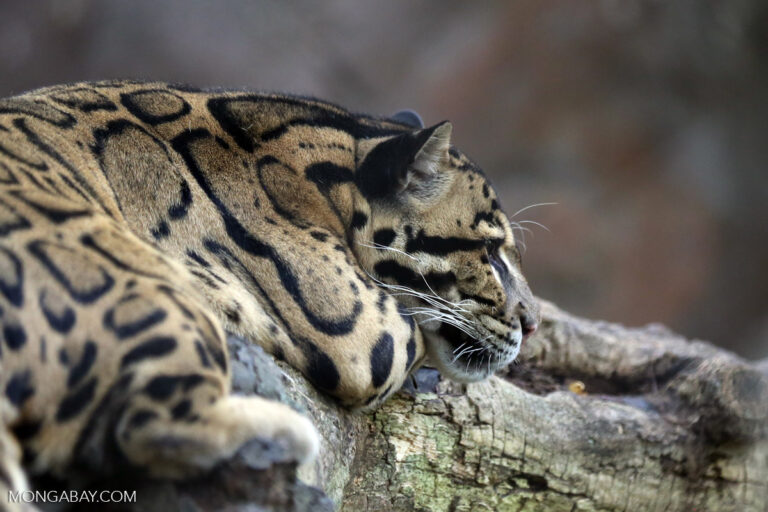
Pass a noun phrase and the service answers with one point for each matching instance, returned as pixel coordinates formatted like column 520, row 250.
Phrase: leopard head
column 438, row 240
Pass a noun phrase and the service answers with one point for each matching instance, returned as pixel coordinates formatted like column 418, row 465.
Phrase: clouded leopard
column 139, row 221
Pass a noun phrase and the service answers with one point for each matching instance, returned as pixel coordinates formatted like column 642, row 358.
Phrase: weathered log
column 595, row 416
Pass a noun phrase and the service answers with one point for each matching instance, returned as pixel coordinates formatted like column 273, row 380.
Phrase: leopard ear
column 408, row 163
column 409, row 117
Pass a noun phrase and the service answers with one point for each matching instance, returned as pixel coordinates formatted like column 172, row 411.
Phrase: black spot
column 28, row 456
column 11, row 220
column 382, row 355
column 205, row 279
column 180, row 209
column 319, row 235
column 153, row 348
column 202, row 354
column 483, row 216
column 19, row 388
column 404, row 276
column 26, row 429
column 410, row 350
column 180, row 410
column 81, row 369
column 52, row 257
column 359, row 220
column 197, row 258
column 74, row 403
column 162, row 230
column 327, row 174
column 163, row 386
column 384, row 236
column 11, row 286
column 43, row 350
column 84, row 99
column 61, row 321
column 321, row 369
column 38, row 110
column 132, row 328
column 57, row 215
column 141, row 418
column 214, row 345
column 155, row 106
column 231, row 122
column 221, row 142
column 441, row 246
column 381, row 301
column 478, row 298
column 15, row 336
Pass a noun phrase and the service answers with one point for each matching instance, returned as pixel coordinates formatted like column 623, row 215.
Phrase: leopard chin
column 464, row 359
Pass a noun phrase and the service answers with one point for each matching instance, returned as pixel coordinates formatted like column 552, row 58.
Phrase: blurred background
column 645, row 121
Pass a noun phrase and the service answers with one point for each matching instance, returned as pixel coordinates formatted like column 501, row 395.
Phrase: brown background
column 645, row 121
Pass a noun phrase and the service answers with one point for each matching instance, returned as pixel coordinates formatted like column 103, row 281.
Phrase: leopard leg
column 131, row 363
column 170, row 446
column 176, row 417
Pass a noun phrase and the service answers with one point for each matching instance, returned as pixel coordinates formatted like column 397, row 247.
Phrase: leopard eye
column 493, row 244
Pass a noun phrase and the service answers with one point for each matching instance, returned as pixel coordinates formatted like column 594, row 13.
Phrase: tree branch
column 595, row 417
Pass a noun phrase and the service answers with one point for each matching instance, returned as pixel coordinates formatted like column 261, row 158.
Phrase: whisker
column 521, row 210
column 466, row 351
column 535, row 224
column 434, row 300
column 374, row 245
column 459, row 347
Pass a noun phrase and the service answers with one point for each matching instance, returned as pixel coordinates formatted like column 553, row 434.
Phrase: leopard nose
column 528, row 324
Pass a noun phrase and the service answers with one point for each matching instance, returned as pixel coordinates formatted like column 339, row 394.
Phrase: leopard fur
column 140, row 221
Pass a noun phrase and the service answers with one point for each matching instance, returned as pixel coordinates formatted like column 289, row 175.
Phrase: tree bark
column 595, row 416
